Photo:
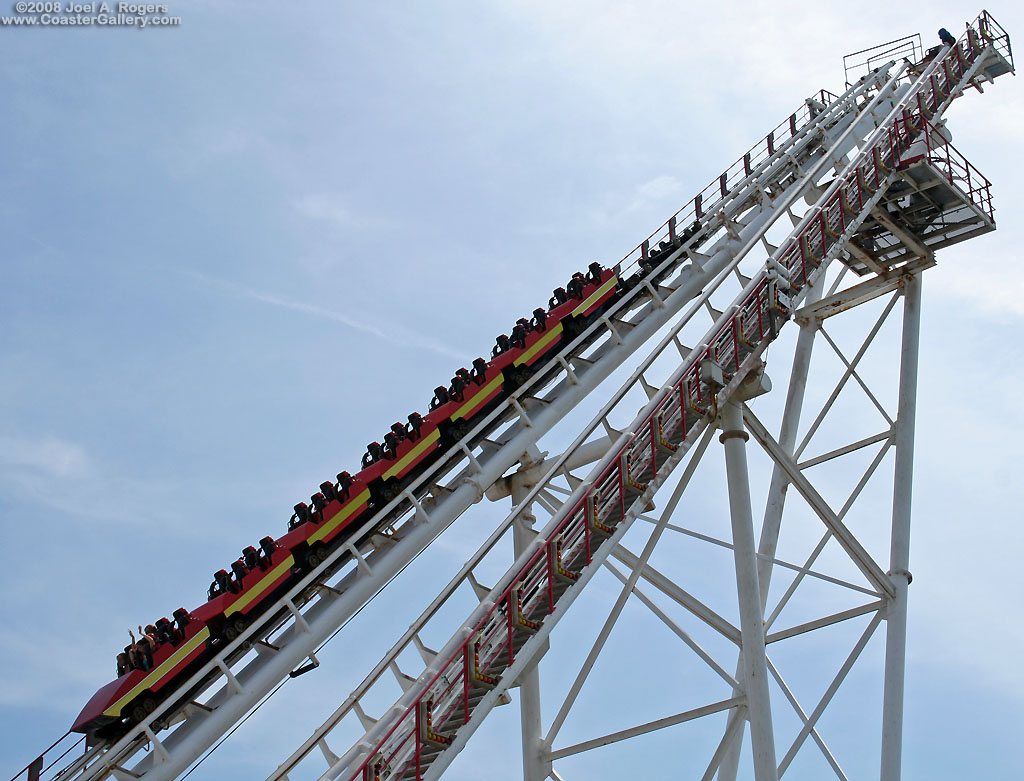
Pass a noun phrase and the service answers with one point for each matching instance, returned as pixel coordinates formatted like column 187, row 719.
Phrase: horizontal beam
column 846, row 449
column 865, row 257
column 820, row 623
column 651, row 726
column 869, row 290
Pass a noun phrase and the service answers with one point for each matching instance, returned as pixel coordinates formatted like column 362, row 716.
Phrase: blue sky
column 235, row 251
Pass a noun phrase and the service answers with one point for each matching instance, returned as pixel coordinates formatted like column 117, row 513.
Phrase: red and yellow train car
column 178, row 649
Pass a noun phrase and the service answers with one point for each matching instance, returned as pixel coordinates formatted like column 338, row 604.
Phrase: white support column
column 772, row 523
column 755, row 667
column 899, row 553
column 535, row 768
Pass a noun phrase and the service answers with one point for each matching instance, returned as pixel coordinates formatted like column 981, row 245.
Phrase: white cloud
column 992, row 286
column 655, row 192
column 329, row 208
column 31, row 468
column 47, row 457
column 395, row 335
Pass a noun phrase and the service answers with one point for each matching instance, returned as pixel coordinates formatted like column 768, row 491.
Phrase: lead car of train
column 177, row 648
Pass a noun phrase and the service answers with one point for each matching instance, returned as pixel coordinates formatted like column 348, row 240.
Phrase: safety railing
column 41, row 767
column 705, row 201
column 908, row 47
column 955, row 169
column 984, row 31
column 992, row 33
column 447, row 701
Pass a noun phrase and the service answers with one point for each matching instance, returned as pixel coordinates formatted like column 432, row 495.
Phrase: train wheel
column 141, row 708
column 516, row 376
column 389, row 491
column 233, row 628
column 315, row 556
column 458, row 430
column 239, row 625
column 572, row 327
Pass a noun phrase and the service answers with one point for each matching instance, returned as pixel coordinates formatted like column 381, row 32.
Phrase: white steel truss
column 888, row 190
column 433, row 719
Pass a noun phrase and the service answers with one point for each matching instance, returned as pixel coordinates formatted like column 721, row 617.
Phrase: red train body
column 239, row 598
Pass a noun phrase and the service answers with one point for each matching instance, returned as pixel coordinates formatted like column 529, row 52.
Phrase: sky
column 234, row 251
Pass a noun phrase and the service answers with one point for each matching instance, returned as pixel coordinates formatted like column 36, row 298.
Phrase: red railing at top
column 956, row 169
column 824, row 224
column 447, row 701
column 985, row 30
column 991, row 32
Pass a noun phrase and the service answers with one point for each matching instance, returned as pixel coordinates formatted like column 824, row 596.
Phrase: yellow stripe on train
column 322, row 531
column 596, row 295
column 479, row 398
column 158, row 672
column 265, row 582
column 342, row 515
column 539, row 345
column 546, row 340
column 172, row 661
column 400, row 465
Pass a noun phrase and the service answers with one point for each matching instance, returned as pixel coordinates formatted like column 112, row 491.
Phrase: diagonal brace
column 843, row 535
